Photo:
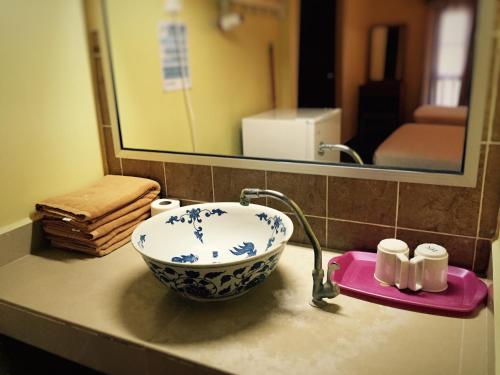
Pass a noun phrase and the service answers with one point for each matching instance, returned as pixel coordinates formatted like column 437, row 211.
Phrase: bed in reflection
column 434, row 141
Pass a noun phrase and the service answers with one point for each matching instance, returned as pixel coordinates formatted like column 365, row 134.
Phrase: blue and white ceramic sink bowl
column 213, row 251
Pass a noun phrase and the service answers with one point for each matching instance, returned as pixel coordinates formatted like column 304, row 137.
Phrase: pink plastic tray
column 355, row 277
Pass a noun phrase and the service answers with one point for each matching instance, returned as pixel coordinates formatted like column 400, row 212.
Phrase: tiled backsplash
column 348, row 213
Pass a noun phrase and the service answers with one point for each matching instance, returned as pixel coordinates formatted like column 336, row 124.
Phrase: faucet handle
column 328, row 289
column 332, row 267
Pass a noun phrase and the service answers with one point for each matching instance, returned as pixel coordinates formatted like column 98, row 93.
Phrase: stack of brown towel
column 98, row 219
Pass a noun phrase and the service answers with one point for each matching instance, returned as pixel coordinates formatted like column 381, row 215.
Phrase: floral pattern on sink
column 276, row 224
column 221, row 284
column 192, row 216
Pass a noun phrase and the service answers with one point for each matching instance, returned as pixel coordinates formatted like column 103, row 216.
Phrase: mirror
column 386, row 83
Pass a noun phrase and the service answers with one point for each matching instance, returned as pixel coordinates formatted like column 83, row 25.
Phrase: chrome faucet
column 342, row 148
column 321, row 289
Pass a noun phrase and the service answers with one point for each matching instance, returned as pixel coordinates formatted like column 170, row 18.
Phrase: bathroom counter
column 111, row 314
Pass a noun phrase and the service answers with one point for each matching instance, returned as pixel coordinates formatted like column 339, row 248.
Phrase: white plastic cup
column 429, row 268
column 392, row 262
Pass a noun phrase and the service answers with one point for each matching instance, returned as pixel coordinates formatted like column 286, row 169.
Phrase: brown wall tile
column 444, row 209
column 362, row 200
column 188, row 181
column 308, row 191
column 344, row 235
column 147, row 169
column 483, row 252
column 228, row 183
column 495, row 134
column 318, row 226
column 491, row 196
column 113, row 162
column 460, row 249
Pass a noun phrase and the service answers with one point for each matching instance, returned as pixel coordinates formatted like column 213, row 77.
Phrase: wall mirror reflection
column 386, row 83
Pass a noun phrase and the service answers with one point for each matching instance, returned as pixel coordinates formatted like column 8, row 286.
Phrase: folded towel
column 91, row 225
column 67, row 229
column 106, row 196
column 101, row 241
column 65, row 244
column 91, row 248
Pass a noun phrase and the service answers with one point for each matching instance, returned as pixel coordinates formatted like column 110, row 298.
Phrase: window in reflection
column 452, row 46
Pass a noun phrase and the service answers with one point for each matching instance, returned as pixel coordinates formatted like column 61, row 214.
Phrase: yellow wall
column 356, row 18
column 230, row 75
column 48, row 132
column 287, row 56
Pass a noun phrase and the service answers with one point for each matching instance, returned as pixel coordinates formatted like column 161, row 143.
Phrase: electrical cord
column 186, row 94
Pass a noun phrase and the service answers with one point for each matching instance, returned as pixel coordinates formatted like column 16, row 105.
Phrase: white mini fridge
column 292, row 134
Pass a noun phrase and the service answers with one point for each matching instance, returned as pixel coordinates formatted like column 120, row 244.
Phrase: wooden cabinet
column 380, row 108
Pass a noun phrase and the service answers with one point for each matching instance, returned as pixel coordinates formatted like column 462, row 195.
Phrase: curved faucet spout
column 321, row 289
column 342, row 148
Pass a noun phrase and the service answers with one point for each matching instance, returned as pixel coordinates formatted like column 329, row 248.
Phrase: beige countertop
column 111, row 314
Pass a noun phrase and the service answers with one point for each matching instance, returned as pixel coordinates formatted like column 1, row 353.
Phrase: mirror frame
column 482, row 58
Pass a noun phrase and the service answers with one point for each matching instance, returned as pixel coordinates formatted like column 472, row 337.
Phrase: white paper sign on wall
column 174, row 56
